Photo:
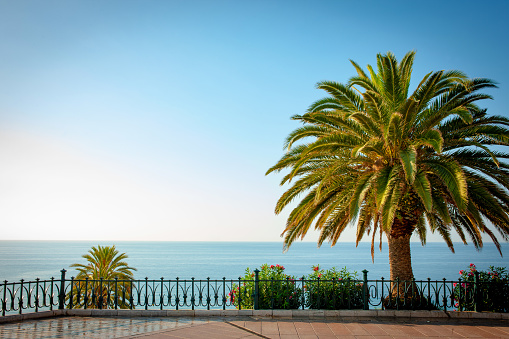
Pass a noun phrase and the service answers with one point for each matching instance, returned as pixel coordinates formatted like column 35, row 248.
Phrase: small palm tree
column 104, row 281
column 398, row 163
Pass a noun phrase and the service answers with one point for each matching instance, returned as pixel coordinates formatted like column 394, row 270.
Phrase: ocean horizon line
column 235, row 241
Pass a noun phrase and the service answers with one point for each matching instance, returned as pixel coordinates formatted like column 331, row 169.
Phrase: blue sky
column 156, row 120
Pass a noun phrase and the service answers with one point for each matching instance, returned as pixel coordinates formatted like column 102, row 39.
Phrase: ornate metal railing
column 38, row 295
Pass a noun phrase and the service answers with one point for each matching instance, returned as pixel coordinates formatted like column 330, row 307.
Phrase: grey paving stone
column 103, row 313
column 245, row 313
column 262, row 313
column 282, row 313
column 180, row 313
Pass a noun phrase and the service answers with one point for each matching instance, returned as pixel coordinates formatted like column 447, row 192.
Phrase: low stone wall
column 276, row 314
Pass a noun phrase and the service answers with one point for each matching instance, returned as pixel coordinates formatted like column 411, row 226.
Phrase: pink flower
column 315, row 268
column 320, row 275
column 271, row 266
column 456, row 305
column 454, row 285
column 472, row 265
column 461, row 272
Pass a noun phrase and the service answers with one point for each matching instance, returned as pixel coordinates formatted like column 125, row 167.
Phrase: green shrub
column 333, row 289
column 276, row 290
column 492, row 290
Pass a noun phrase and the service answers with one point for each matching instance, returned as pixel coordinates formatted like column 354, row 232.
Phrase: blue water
column 45, row 259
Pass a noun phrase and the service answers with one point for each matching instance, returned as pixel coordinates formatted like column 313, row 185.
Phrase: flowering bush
column 492, row 290
column 333, row 289
column 276, row 289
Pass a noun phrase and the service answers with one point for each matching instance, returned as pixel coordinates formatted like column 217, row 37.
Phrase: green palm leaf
column 372, row 155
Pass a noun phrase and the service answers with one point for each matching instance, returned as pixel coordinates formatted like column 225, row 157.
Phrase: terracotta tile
column 286, row 328
column 255, row 326
column 304, row 328
column 321, row 329
column 411, row 330
column 432, row 331
column 238, row 323
column 356, row 329
column 467, row 331
column 486, row 332
column 269, row 327
column 339, row 329
column 374, row 329
column 155, row 336
column 497, row 331
column 393, row 330
column 308, row 336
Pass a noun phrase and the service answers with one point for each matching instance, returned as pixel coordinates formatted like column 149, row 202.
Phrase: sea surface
column 44, row 259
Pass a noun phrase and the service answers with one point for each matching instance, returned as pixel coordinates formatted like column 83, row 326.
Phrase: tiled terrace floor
column 219, row 327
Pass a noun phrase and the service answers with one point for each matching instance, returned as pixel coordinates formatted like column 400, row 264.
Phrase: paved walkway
column 220, row 327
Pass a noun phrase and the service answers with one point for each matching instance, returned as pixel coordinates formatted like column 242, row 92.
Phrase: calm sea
column 45, row 259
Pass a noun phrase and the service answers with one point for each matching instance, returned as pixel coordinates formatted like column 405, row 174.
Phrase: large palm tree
column 104, row 262
column 397, row 164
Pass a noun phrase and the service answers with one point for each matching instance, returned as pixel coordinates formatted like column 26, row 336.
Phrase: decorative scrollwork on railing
column 39, row 295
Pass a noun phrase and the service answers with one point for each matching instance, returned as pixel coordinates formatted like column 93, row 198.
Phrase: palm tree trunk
column 400, row 259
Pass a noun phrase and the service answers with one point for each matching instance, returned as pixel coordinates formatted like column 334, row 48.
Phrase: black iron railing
column 38, row 295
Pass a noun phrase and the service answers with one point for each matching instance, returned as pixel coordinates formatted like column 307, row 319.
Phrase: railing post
column 318, row 300
column 116, row 293
column 208, row 293
column 101, row 297
column 382, row 295
column 71, row 296
column 20, row 303
column 477, row 292
column 365, row 289
column 445, row 296
column 429, row 294
column 303, row 300
column 51, row 294
column 37, row 294
column 239, row 288
column 256, row 290
column 61, row 295
column 146, row 293
column 4, row 300
column 224, row 293
column 86, row 297
column 192, row 293
column 162, row 292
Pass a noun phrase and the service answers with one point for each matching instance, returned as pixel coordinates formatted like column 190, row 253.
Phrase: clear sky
column 156, row 120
